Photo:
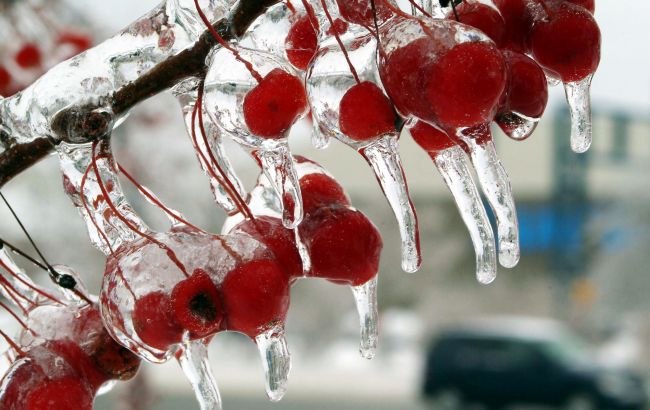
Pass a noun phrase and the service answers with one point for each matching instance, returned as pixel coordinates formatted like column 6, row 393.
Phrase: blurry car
column 498, row 363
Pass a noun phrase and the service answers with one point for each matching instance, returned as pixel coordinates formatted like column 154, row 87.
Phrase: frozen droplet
column 452, row 166
column 383, row 156
column 496, row 187
column 276, row 360
column 193, row 358
column 278, row 167
column 578, row 97
column 517, row 126
column 365, row 297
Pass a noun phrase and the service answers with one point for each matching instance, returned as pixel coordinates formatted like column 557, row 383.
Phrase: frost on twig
column 82, row 99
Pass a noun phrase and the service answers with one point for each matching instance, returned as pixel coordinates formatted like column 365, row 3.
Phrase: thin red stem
column 155, row 200
column 208, row 164
column 29, row 285
column 14, row 294
column 225, row 44
column 18, row 319
column 420, row 8
column 101, row 233
column 235, row 196
column 338, row 40
column 111, row 205
column 13, row 344
column 312, row 16
column 290, row 6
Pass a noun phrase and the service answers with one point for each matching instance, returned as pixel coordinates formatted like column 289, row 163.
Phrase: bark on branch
column 18, row 157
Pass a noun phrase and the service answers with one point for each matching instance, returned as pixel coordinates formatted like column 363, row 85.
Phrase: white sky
column 622, row 81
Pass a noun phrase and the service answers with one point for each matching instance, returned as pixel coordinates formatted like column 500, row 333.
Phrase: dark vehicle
column 500, row 363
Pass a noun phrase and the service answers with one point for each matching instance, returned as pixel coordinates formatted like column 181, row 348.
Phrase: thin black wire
column 65, row 281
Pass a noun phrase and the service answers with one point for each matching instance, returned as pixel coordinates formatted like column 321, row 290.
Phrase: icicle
column 278, row 167
column 106, row 230
column 303, row 252
column 365, row 297
column 577, row 95
column 496, row 187
column 276, row 360
column 453, row 168
column 383, row 156
column 187, row 96
column 193, row 359
column 517, row 126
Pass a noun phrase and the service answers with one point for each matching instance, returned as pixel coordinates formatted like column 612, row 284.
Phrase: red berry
column 344, row 246
column 272, row 107
column 65, row 393
column 406, row 73
column 483, row 17
column 301, row 42
column 366, row 113
column 430, row 138
column 360, row 11
column 196, row 304
column 255, row 297
column 155, row 322
column 5, row 81
column 70, row 352
column 23, row 376
column 527, row 88
column 518, row 16
column 567, row 43
column 79, row 41
column 280, row 240
column 466, row 85
column 587, row 4
column 321, row 190
column 29, row 56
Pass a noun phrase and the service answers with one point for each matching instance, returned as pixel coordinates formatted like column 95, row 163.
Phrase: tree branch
column 19, row 156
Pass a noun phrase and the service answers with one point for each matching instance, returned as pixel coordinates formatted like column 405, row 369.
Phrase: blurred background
column 575, row 309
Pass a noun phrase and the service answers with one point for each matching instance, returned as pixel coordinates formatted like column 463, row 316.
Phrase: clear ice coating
column 107, row 232
column 276, row 361
column 209, row 148
column 90, row 78
column 193, row 359
column 495, row 183
column 365, row 297
column 452, row 166
column 578, row 97
column 228, row 83
column 334, row 71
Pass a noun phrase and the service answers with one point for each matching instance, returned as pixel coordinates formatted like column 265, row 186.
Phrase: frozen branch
column 94, row 120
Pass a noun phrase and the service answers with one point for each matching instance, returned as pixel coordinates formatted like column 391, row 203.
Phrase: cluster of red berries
column 64, row 354
column 164, row 293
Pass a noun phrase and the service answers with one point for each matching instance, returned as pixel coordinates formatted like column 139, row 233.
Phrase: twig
column 20, row 156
